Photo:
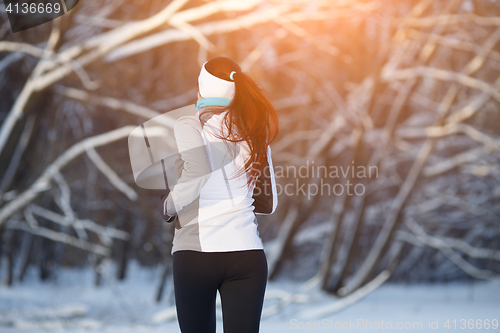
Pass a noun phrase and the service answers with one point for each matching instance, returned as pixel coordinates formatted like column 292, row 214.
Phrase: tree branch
column 7, row 46
column 43, row 182
column 453, row 20
column 447, row 250
column 116, row 104
column 62, row 238
column 113, row 178
column 444, row 75
column 104, row 233
column 453, row 162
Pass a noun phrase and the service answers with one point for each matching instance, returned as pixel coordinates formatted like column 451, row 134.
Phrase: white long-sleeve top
column 214, row 206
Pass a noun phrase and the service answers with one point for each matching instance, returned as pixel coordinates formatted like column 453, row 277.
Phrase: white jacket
column 214, row 206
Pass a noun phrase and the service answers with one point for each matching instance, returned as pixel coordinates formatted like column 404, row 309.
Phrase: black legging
column 240, row 277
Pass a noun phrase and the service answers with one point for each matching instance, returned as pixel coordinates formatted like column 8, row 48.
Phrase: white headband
column 211, row 86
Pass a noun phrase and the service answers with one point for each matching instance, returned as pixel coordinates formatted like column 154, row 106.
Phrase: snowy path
column 72, row 304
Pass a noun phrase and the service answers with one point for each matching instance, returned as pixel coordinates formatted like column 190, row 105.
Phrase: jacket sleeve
column 195, row 167
column 273, row 180
column 265, row 193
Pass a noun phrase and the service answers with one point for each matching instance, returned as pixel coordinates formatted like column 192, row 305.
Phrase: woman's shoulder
column 188, row 121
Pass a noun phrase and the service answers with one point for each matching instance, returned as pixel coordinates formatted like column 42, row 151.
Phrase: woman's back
column 221, row 215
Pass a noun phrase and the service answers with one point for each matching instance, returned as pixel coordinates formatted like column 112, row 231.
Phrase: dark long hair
column 251, row 117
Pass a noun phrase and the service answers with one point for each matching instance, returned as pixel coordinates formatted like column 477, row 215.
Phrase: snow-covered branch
column 61, row 237
column 446, row 247
column 113, row 178
column 43, row 182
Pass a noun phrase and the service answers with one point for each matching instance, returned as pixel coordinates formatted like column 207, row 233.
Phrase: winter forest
column 387, row 161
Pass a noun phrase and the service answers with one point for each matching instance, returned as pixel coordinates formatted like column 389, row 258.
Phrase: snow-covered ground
column 71, row 303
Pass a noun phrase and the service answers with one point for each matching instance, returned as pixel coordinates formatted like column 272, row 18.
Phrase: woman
column 223, row 151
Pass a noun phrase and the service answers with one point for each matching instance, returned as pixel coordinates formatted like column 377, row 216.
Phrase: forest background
column 407, row 88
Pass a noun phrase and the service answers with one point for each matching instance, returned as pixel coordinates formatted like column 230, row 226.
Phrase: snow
column 71, row 303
